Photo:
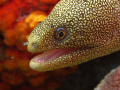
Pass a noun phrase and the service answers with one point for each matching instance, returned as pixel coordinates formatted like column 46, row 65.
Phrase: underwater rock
column 111, row 81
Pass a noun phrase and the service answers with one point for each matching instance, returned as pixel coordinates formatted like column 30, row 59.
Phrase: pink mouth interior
column 53, row 54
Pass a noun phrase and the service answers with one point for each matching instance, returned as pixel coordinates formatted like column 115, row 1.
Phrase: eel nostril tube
column 34, row 45
column 25, row 43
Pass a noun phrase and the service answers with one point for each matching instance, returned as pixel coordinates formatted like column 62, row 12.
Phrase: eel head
column 74, row 32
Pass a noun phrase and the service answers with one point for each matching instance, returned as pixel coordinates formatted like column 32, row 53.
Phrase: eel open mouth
column 51, row 54
column 59, row 58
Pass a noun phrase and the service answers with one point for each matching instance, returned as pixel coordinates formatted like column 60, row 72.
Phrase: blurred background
column 17, row 20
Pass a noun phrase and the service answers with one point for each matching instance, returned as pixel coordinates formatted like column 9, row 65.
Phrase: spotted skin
column 92, row 24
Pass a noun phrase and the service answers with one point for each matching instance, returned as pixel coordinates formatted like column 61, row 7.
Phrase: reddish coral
column 12, row 78
column 2, row 50
column 1, row 67
column 18, row 36
column 35, row 17
column 6, row 20
column 16, row 60
column 9, row 38
column 49, row 1
column 30, row 73
column 17, row 20
column 9, row 65
column 3, row 1
column 21, row 35
column 4, row 86
column 36, row 81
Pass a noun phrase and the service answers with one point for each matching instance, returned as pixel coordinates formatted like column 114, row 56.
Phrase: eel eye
column 60, row 33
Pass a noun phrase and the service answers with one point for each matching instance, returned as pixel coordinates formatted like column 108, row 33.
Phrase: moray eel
column 75, row 31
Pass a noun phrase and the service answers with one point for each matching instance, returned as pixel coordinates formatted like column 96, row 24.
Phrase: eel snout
column 32, row 44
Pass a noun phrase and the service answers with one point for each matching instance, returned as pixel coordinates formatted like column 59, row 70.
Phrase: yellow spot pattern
column 89, row 23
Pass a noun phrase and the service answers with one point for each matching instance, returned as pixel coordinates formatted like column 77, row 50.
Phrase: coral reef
column 17, row 20
column 111, row 81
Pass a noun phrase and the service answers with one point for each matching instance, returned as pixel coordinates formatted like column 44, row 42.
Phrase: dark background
column 89, row 74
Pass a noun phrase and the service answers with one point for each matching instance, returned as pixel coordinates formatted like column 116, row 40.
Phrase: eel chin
column 54, row 59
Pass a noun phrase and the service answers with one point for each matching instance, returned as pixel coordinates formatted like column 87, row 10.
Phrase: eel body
column 75, row 31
